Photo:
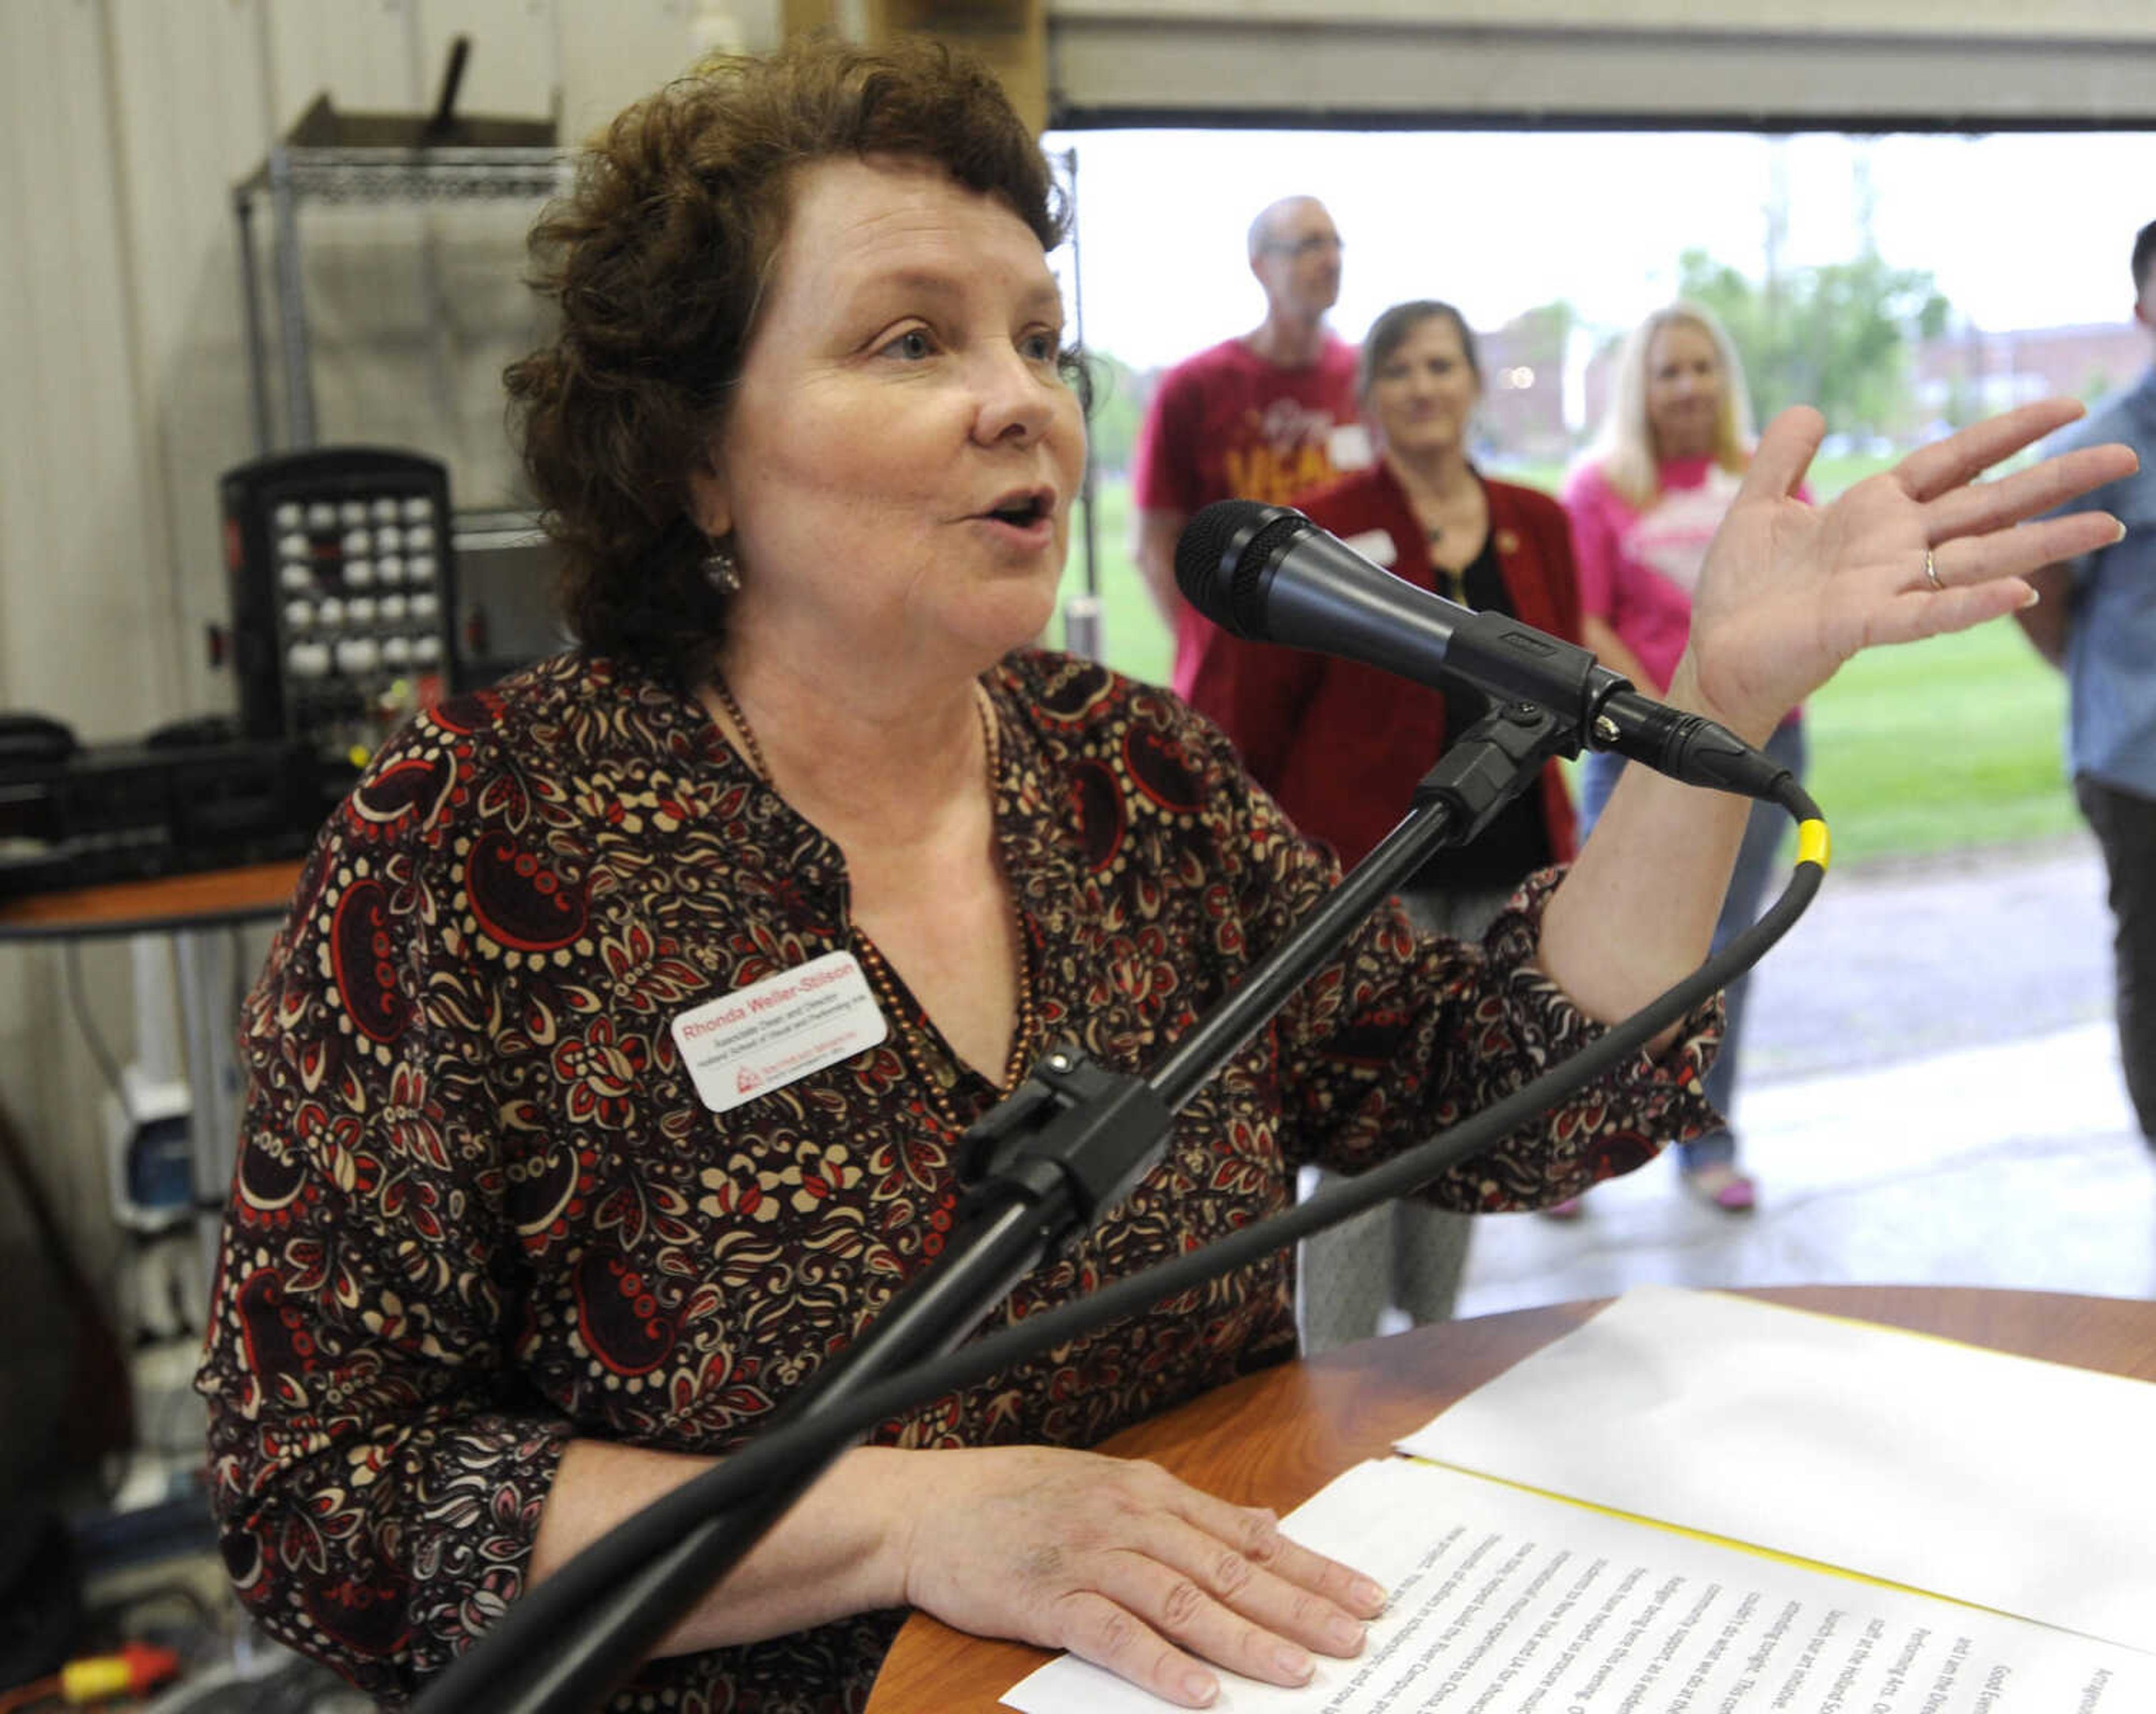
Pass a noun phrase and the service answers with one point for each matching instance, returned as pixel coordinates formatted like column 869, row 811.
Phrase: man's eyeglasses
column 1309, row 246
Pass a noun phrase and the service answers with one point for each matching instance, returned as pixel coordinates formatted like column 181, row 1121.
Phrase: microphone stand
column 1043, row 1164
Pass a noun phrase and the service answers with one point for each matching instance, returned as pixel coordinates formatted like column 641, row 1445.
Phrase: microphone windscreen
column 1221, row 556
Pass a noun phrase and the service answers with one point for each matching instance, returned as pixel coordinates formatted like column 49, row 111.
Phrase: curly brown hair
column 656, row 264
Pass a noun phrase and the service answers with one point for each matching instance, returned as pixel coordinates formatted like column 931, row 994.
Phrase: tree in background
column 1521, row 421
column 1836, row 337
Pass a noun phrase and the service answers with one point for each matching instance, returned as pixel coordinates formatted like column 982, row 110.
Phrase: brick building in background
column 1964, row 375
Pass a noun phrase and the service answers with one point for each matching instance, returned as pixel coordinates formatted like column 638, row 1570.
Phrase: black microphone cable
column 560, row 1607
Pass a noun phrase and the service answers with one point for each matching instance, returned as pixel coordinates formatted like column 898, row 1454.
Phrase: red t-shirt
column 1227, row 425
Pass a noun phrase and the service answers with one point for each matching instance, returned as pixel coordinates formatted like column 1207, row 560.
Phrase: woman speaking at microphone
column 1340, row 745
column 557, row 1175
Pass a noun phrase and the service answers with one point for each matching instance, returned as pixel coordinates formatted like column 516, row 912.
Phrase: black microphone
column 1268, row 574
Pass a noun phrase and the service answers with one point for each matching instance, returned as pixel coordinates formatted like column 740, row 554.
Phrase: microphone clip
column 1074, row 1140
column 1491, row 763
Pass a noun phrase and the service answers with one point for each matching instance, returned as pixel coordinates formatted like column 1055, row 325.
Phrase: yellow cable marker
column 1812, row 843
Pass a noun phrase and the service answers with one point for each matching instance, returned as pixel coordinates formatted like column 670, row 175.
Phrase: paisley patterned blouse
column 480, row 1209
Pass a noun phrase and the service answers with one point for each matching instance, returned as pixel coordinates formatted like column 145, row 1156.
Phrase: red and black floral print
column 478, row 1208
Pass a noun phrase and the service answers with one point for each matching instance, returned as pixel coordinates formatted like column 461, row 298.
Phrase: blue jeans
column 2125, row 825
column 1748, row 890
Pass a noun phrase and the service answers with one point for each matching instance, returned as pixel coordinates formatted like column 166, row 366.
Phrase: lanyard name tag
column 1349, row 447
column 1376, row 546
column 772, row 1032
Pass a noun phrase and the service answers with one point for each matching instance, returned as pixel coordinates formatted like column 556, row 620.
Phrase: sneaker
column 1725, row 1187
column 1571, row 1209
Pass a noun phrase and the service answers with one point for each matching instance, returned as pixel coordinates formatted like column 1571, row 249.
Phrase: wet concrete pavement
column 1930, row 1095
column 1907, row 959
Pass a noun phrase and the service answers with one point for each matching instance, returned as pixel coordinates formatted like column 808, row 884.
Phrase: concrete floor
column 1933, row 1096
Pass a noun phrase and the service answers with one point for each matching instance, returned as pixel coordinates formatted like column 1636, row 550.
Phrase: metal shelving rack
column 364, row 158
column 385, row 161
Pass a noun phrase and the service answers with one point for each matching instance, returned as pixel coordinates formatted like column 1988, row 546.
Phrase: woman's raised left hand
column 1792, row 590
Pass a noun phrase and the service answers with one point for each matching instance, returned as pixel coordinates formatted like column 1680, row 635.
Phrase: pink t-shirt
column 1227, row 425
column 1638, row 569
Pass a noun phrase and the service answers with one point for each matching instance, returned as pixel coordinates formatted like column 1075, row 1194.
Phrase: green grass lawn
column 1941, row 745
column 1936, row 746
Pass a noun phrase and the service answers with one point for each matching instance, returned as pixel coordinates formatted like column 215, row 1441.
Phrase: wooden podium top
column 1274, row 1438
column 204, row 900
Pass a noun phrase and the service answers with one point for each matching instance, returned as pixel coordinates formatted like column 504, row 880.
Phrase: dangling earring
column 723, row 569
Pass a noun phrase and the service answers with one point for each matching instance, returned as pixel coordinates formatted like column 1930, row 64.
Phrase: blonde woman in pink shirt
column 1645, row 501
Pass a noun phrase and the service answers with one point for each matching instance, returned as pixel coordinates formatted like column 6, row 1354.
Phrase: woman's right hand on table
column 1125, row 1566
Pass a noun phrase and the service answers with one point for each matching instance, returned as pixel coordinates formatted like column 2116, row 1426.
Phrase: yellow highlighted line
column 1752, row 1549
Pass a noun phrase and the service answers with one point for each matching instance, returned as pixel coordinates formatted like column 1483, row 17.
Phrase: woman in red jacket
column 1340, row 745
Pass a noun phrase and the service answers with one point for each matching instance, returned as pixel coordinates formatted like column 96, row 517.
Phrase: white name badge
column 1375, row 545
column 1350, row 448
column 763, row 1037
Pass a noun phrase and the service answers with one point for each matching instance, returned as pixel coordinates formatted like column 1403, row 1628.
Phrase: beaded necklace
column 1448, row 581
column 881, row 977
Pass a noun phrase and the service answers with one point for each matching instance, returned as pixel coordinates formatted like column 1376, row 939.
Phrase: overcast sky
column 2021, row 231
